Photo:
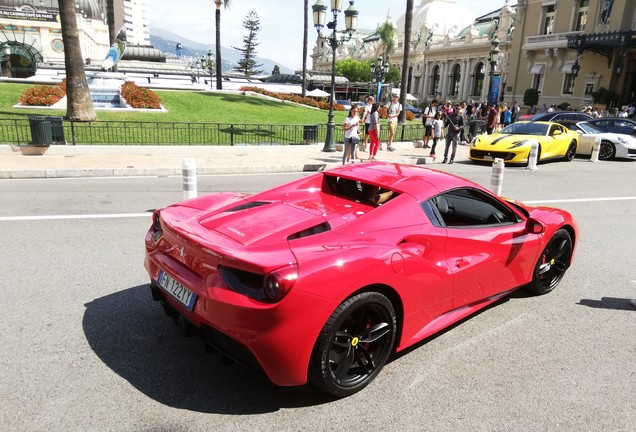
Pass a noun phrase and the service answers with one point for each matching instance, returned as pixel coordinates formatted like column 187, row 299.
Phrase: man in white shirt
column 394, row 108
column 366, row 118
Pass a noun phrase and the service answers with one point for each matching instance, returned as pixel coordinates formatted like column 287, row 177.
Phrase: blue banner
column 493, row 95
column 377, row 99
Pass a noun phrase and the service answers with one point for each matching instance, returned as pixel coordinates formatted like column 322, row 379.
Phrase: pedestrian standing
column 351, row 138
column 438, row 132
column 493, row 119
column 374, row 132
column 394, row 108
column 427, row 118
column 366, row 118
column 455, row 124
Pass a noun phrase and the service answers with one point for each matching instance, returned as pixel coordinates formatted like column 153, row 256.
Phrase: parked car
column 345, row 103
column 613, row 145
column 512, row 144
column 413, row 109
column 324, row 278
column 615, row 124
column 560, row 115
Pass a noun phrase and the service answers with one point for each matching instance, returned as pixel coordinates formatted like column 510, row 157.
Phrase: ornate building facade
column 32, row 32
column 569, row 49
column 450, row 55
column 566, row 49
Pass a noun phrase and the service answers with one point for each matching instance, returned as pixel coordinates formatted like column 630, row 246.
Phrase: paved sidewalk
column 115, row 161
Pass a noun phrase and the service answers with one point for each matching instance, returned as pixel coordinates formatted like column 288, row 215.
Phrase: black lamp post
column 210, row 66
column 494, row 56
column 351, row 21
column 379, row 70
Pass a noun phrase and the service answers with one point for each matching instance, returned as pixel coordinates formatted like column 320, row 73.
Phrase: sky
column 281, row 36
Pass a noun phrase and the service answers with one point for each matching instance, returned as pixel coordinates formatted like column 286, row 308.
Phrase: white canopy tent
column 409, row 96
column 317, row 93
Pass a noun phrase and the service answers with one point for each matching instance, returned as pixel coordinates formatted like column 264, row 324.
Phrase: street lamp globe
column 319, row 12
column 494, row 51
column 351, row 18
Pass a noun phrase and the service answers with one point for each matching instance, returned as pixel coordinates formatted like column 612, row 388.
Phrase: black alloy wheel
column 552, row 264
column 354, row 344
column 607, row 151
column 571, row 152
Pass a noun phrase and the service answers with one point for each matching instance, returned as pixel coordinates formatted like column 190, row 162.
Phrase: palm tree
column 305, row 22
column 110, row 19
column 386, row 32
column 408, row 20
column 217, row 22
column 79, row 105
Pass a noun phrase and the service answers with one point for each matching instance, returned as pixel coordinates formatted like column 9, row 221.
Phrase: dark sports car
column 323, row 278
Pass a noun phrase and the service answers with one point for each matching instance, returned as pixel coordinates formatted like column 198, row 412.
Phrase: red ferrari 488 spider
column 320, row 280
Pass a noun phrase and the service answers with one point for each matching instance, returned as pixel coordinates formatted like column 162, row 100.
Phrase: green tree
column 79, row 105
column 276, row 70
column 354, row 70
column 531, row 97
column 386, row 32
column 247, row 64
column 393, row 76
column 217, row 25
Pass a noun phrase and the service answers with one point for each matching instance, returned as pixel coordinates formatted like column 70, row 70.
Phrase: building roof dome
column 441, row 16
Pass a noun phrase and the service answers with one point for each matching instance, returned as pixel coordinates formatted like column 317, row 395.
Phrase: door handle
column 461, row 263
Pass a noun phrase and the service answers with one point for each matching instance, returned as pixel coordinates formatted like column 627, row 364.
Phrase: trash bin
column 57, row 129
column 476, row 127
column 310, row 133
column 41, row 133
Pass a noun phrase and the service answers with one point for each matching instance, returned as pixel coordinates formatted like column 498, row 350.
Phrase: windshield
column 525, row 129
column 589, row 128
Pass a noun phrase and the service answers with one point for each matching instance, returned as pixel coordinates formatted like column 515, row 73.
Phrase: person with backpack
column 427, row 119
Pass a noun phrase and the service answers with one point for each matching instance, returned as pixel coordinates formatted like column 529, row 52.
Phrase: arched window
column 478, row 81
column 434, row 81
column 455, row 77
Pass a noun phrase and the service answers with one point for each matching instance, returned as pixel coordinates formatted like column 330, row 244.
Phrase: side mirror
column 556, row 132
column 533, row 226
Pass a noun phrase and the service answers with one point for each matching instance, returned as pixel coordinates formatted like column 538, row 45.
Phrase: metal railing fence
column 17, row 131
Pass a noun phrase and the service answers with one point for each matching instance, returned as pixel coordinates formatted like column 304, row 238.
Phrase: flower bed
column 293, row 98
column 43, row 95
column 139, row 97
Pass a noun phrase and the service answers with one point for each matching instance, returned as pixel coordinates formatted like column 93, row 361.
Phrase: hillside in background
column 167, row 41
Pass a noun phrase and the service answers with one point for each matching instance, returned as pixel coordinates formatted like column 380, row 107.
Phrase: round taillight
column 277, row 284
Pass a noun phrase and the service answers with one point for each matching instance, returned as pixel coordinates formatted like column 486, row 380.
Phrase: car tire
column 571, row 152
column 552, row 264
column 607, row 150
column 354, row 344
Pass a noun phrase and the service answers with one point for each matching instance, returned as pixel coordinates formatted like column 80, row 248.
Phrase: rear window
column 357, row 191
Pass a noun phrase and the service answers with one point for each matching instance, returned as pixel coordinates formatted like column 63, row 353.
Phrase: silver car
column 613, row 145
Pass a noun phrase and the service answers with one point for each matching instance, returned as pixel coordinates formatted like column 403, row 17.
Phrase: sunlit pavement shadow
column 130, row 333
column 608, row 303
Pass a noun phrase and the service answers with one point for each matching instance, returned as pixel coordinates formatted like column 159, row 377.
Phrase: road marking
column 571, row 200
column 148, row 214
column 93, row 216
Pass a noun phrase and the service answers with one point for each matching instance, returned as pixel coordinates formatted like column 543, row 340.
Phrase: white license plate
column 488, row 157
column 176, row 290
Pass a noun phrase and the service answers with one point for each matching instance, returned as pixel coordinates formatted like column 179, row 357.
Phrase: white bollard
column 596, row 149
column 189, row 169
column 534, row 155
column 496, row 177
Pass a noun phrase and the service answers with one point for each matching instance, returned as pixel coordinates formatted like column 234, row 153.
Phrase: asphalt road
column 84, row 348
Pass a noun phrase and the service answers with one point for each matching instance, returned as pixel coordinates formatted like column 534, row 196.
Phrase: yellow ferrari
column 512, row 144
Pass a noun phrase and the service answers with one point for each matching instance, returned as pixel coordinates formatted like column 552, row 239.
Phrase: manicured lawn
column 193, row 107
